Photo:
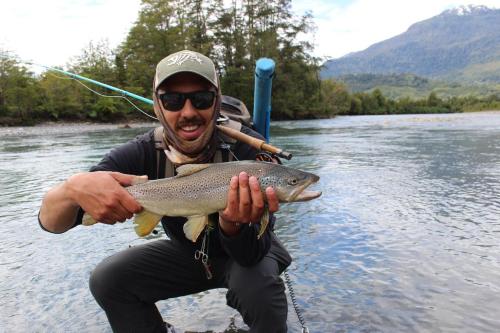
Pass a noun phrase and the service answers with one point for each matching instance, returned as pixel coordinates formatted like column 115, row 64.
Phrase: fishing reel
column 268, row 157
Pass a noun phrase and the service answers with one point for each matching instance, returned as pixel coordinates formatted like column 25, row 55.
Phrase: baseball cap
column 186, row 61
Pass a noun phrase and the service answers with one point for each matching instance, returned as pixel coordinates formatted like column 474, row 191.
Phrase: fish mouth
column 300, row 194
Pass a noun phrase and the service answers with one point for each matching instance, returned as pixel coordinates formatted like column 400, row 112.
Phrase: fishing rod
column 254, row 142
column 262, row 107
column 104, row 85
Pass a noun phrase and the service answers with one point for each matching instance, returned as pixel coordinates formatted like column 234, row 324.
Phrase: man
column 126, row 285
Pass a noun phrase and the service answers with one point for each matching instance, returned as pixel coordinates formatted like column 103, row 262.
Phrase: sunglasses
column 174, row 101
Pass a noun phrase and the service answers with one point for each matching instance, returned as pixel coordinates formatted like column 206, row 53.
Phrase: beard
column 203, row 147
column 186, row 122
column 195, row 146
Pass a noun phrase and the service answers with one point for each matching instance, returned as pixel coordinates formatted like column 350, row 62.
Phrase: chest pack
column 233, row 114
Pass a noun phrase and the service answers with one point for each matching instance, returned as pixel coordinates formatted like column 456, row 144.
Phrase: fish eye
column 292, row 181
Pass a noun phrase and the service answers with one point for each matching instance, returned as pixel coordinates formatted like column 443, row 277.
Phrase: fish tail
column 145, row 222
column 264, row 221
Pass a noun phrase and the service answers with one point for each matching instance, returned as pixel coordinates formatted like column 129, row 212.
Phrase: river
column 405, row 238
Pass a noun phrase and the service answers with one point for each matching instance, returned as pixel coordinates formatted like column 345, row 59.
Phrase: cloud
column 51, row 32
column 344, row 27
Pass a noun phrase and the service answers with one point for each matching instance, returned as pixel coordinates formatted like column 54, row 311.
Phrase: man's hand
column 102, row 196
column 245, row 203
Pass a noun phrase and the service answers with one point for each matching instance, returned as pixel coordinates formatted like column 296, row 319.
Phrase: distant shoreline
column 137, row 123
column 118, row 124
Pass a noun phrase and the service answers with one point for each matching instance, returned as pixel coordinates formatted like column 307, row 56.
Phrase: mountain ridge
column 460, row 44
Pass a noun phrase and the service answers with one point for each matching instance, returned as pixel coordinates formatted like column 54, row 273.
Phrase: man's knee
column 261, row 302
column 106, row 280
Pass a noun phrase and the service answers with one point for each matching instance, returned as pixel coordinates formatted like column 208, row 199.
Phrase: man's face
column 189, row 123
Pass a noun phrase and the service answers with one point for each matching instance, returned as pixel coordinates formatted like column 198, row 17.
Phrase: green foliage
column 396, row 86
column 336, row 97
column 235, row 34
column 61, row 97
column 19, row 93
column 163, row 27
column 98, row 62
column 367, row 81
column 375, row 103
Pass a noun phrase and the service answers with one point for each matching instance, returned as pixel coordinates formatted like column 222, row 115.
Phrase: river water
column 406, row 237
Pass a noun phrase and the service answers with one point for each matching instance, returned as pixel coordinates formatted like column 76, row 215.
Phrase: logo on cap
column 181, row 57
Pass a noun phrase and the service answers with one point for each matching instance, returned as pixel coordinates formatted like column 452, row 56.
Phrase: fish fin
column 88, row 220
column 264, row 221
column 139, row 180
column 189, row 169
column 145, row 222
column 194, row 226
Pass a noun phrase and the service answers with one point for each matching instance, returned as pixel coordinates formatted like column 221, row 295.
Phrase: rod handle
column 254, row 142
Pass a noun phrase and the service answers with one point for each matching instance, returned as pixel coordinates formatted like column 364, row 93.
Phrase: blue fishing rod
column 264, row 74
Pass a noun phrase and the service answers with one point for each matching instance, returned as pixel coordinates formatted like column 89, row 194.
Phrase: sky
column 52, row 32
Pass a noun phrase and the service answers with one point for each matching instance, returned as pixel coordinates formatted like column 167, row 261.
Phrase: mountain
column 460, row 44
column 396, row 86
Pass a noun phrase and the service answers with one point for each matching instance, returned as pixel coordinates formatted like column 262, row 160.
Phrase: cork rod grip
column 254, row 142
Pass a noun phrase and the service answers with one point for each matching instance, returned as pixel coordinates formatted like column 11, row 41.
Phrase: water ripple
column 405, row 238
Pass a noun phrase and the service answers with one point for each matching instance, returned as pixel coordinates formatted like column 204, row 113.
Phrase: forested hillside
column 397, row 86
column 461, row 44
column 234, row 34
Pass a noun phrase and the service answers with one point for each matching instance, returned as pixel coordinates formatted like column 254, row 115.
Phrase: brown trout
column 201, row 189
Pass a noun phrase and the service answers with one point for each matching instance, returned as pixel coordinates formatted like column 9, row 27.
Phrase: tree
column 159, row 31
column 97, row 62
column 379, row 102
column 19, row 92
column 61, row 97
column 335, row 97
column 433, row 100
